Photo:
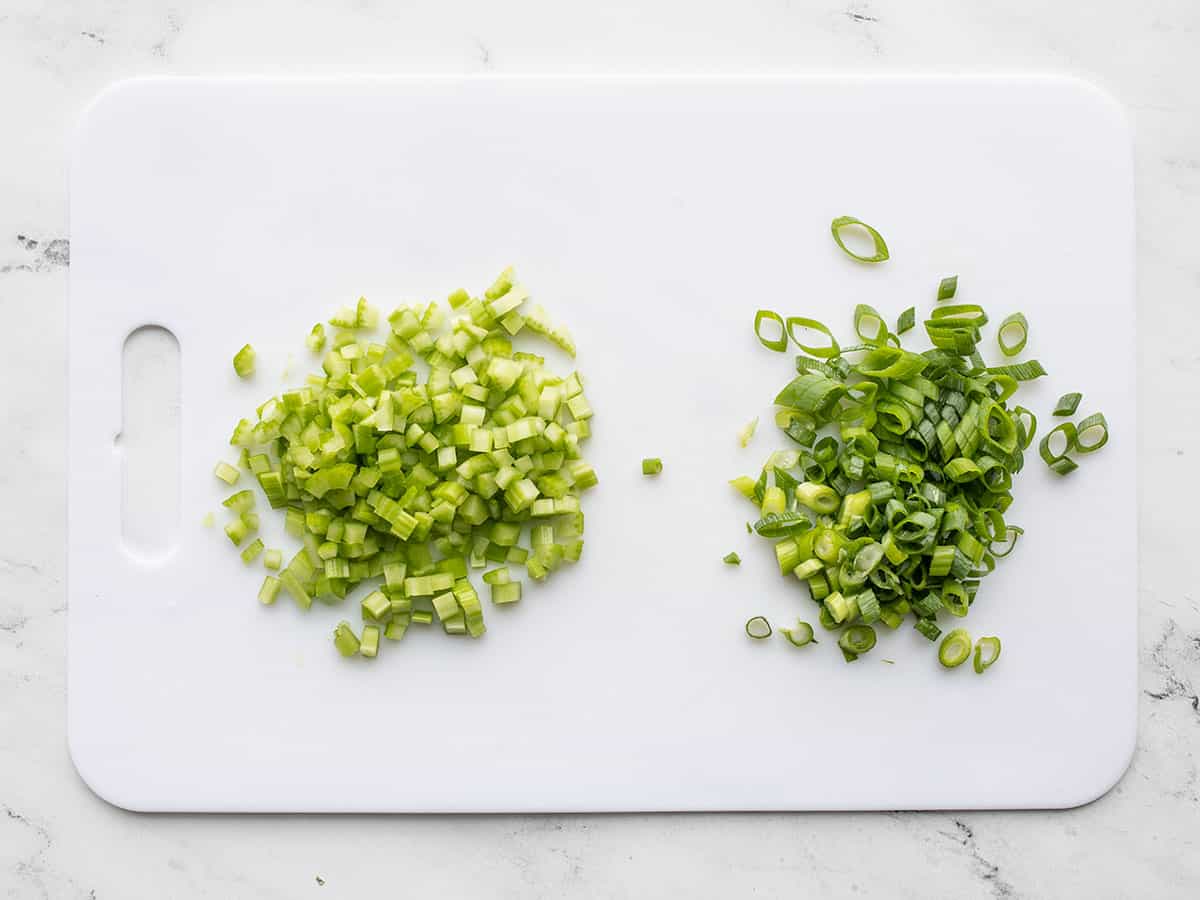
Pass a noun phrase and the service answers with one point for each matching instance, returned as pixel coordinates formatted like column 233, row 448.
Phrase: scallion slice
column 1067, row 404
column 779, row 343
column 1091, row 433
column 987, row 651
column 907, row 320
column 947, row 288
column 799, row 636
column 1013, row 334
column 758, row 628
column 955, row 648
column 731, row 559
column 842, row 222
column 651, row 465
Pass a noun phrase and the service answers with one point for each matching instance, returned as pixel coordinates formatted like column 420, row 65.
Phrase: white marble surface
column 58, row 840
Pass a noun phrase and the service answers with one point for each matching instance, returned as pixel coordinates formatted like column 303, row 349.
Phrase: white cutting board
column 654, row 216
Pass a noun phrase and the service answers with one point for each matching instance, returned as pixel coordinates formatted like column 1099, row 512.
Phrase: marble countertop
column 57, row 840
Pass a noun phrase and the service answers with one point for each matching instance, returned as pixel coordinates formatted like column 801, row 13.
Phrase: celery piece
column 243, row 362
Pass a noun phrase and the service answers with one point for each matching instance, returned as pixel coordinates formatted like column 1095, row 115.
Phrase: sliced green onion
column 881, row 249
column 947, row 288
column 1013, row 334
column 758, row 628
column 955, row 648
column 778, row 344
column 1091, row 433
column 651, row 465
column 746, row 433
column 782, row 524
column 243, row 362
column 987, row 651
column 869, row 325
column 856, row 640
column 907, row 320
column 800, row 636
column 826, row 352
column 1054, row 453
column 731, row 559
column 1067, row 404
column 1022, row 371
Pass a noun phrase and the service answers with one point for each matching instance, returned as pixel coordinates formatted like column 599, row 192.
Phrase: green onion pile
column 893, row 504
column 384, row 476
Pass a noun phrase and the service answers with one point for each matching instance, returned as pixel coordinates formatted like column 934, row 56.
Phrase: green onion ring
column 881, row 249
column 1094, row 422
column 794, row 322
column 1018, row 323
column 778, row 344
column 955, row 648
column 758, row 628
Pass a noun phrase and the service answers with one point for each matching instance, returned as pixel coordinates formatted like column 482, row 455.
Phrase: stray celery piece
column 273, row 559
column 208, row 521
column 422, row 617
column 252, row 550
column 243, row 362
column 269, row 590
column 376, row 606
column 345, row 639
column 732, row 559
column 651, row 466
column 396, row 628
column 227, row 473
column 506, row 592
column 369, row 645
column 746, row 433
column 316, row 338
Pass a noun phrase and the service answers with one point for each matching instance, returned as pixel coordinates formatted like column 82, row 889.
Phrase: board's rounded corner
column 96, row 782
column 110, row 96
column 1111, row 774
column 1101, row 99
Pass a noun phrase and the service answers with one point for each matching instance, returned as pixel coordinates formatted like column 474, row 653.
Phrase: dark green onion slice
column 1013, row 334
column 778, row 344
column 907, row 320
column 732, row 559
column 1067, row 404
column 758, row 628
column 1026, row 426
column 800, row 636
column 947, row 288
column 1091, row 433
column 881, row 249
column 987, row 651
column 1007, row 543
column 955, row 648
column 784, row 524
column 1056, row 457
column 794, row 322
column 1022, row 371
column 857, row 640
